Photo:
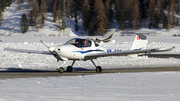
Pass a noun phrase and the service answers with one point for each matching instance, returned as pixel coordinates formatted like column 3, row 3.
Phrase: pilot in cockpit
column 86, row 43
column 76, row 42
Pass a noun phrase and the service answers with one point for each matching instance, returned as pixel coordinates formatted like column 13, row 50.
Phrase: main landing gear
column 69, row 68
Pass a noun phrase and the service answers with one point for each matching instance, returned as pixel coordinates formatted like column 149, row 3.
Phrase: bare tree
column 151, row 12
column 136, row 14
column 100, row 16
column 43, row 6
column 27, row 7
column 19, row 4
column 54, row 11
column 172, row 10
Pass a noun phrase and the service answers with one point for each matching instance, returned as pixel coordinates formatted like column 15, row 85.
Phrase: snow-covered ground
column 38, row 61
column 160, row 86
column 107, row 87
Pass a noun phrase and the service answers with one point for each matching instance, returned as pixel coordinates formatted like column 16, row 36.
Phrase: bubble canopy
column 79, row 42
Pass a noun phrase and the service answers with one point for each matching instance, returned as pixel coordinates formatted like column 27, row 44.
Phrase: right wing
column 28, row 51
column 128, row 52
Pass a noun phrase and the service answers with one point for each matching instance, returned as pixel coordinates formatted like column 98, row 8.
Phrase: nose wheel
column 61, row 70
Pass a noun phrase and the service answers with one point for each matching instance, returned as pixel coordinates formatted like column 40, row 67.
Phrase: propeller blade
column 44, row 43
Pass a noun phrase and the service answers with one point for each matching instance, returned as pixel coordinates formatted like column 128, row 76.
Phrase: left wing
column 28, row 51
column 129, row 52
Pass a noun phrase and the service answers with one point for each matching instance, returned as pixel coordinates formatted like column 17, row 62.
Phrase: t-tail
column 139, row 43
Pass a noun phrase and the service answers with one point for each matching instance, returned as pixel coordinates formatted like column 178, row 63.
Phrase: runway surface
column 11, row 74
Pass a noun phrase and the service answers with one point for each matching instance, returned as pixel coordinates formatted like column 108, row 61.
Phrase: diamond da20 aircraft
column 88, row 49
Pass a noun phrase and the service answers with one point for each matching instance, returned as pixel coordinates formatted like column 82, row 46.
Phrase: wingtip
column 41, row 41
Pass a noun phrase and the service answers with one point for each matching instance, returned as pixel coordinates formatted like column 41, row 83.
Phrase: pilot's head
column 76, row 42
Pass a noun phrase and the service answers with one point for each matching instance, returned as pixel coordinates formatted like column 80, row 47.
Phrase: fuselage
column 77, row 49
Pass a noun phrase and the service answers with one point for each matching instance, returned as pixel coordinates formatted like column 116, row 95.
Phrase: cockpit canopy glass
column 79, row 42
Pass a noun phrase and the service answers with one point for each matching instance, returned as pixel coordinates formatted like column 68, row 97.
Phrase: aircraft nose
column 52, row 49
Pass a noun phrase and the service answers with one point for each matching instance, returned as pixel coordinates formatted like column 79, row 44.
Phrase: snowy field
column 38, row 61
column 162, row 86
column 159, row 86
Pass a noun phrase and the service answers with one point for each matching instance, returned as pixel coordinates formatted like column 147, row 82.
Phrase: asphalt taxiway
column 11, row 74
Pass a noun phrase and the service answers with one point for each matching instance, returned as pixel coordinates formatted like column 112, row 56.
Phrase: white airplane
column 88, row 49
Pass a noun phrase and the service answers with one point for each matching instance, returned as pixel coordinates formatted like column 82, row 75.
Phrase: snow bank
column 35, row 61
column 159, row 86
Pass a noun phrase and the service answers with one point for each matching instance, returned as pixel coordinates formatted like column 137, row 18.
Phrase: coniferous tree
column 91, row 28
column 165, row 21
column 117, row 9
column 63, row 24
column 24, row 24
column 107, row 8
column 76, row 19
column 31, row 21
column 3, row 4
column 1, row 16
column 86, row 14
column 48, row 5
column 155, row 20
column 122, row 19
column 9, row 2
column 129, row 11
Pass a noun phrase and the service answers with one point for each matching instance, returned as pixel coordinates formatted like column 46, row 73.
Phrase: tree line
column 98, row 15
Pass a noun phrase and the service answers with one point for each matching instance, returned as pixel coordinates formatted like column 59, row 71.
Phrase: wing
column 28, row 51
column 125, row 53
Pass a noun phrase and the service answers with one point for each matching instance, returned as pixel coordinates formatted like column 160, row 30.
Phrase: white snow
column 38, row 61
column 159, row 86
column 151, row 86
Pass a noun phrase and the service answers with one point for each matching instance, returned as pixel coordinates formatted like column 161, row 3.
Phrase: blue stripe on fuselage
column 88, row 51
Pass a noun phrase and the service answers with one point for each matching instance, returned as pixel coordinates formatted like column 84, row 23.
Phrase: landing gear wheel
column 98, row 69
column 61, row 70
column 69, row 69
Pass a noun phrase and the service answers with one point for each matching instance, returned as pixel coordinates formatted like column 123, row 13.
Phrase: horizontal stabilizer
column 140, row 32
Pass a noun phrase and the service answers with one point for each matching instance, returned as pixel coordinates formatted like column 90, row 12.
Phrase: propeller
column 51, row 49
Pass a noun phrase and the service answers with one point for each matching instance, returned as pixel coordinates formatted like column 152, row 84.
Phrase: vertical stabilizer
column 140, row 42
